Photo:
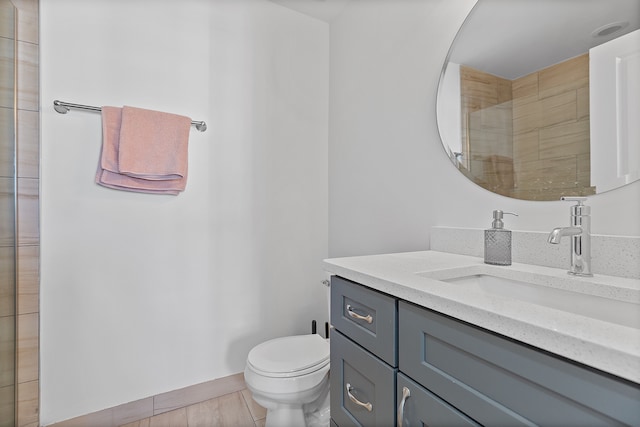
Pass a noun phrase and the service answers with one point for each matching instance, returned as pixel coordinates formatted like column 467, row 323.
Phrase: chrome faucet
column 580, row 232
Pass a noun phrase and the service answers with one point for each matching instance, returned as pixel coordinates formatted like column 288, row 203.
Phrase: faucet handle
column 580, row 209
column 580, row 200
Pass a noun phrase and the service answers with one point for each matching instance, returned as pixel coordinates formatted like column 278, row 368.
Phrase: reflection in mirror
column 540, row 98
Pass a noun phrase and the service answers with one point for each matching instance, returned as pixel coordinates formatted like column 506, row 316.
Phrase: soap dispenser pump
column 497, row 241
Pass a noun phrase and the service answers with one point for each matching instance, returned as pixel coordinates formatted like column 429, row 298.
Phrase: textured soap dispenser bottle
column 497, row 241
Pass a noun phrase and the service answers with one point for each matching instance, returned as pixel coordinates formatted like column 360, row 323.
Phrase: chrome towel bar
column 63, row 108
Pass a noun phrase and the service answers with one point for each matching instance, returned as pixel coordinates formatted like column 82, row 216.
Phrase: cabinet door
column 362, row 386
column 500, row 382
column 419, row 407
column 366, row 316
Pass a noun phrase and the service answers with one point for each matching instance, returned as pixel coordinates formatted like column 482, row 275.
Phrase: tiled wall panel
column 7, row 217
column 28, row 153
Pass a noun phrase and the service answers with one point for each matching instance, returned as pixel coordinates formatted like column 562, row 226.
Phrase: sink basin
column 597, row 307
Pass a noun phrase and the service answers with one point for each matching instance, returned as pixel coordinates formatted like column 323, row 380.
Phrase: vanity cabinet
column 417, row 406
column 367, row 317
column 443, row 371
column 362, row 386
column 498, row 381
column 363, row 355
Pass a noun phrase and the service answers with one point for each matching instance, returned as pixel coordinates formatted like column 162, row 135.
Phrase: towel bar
column 63, row 108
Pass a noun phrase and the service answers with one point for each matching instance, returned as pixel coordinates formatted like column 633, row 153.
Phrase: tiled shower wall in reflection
column 28, row 235
column 528, row 138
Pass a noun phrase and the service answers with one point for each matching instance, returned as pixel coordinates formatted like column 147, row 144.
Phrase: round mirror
column 540, row 99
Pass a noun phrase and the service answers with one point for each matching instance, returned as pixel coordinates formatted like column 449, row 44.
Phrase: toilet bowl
column 289, row 376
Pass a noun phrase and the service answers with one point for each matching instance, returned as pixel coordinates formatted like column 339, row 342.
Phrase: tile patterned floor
column 231, row 410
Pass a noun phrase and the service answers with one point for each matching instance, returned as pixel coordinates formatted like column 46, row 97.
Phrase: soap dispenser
column 497, row 241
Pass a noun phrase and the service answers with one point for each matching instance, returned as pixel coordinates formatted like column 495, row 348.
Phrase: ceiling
column 324, row 10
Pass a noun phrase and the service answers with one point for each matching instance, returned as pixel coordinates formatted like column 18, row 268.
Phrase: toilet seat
column 291, row 356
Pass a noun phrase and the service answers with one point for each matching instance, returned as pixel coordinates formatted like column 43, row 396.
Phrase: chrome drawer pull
column 405, row 395
column 355, row 315
column 368, row 406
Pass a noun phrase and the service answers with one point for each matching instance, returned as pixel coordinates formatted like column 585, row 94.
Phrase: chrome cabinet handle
column 355, row 315
column 368, row 406
column 405, row 395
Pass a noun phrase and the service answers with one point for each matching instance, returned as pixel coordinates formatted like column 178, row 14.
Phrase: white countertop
column 610, row 347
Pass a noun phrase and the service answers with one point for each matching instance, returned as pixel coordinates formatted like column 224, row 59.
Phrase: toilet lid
column 289, row 356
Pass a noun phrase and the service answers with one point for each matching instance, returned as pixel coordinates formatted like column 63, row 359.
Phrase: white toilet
column 289, row 376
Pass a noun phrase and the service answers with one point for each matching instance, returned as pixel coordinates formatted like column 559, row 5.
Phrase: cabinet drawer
column 423, row 408
column 498, row 381
column 366, row 316
column 368, row 380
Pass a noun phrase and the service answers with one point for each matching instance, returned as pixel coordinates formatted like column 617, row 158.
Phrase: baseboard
column 158, row 404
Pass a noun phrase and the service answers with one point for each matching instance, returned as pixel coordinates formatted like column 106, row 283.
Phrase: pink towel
column 143, row 151
column 153, row 144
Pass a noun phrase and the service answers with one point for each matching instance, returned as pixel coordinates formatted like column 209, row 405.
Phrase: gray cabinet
column 363, row 355
column 362, row 386
column 502, row 382
column 367, row 317
column 456, row 373
column 417, row 406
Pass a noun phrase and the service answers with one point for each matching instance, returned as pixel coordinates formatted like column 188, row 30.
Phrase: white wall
column 141, row 294
column 390, row 180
